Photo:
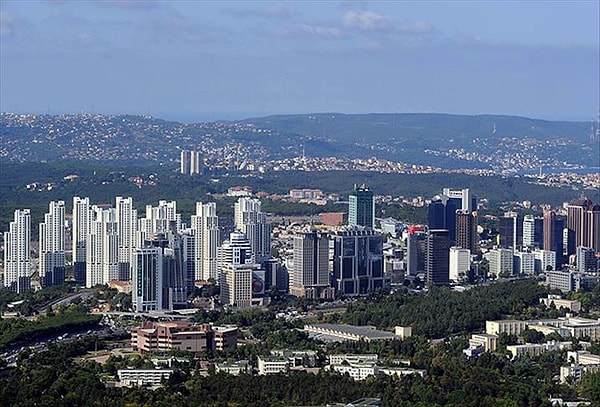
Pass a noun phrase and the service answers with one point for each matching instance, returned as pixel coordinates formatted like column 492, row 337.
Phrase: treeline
column 443, row 312
column 15, row 330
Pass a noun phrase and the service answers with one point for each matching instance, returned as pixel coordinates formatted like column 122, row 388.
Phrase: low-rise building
column 233, row 368
column 143, row 377
column 507, row 326
column 181, row 335
column 340, row 333
column 576, row 371
column 574, row 306
column 273, row 365
column 488, row 341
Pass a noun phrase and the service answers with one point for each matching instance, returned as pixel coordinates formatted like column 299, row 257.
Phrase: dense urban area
column 222, row 271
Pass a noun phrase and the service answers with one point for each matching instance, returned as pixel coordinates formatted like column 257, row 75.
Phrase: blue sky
column 196, row 60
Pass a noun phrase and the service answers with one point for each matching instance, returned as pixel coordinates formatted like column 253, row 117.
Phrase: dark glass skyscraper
column 437, row 260
column 361, row 211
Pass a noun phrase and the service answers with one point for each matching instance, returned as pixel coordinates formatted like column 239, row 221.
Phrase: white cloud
column 7, row 24
column 366, row 21
column 321, row 31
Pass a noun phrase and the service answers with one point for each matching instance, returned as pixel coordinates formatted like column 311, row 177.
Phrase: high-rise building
column 184, row 162
column 236, row 284
column 545, row 260
column 147, row 275
column 501, row 262
column 532, row 231
column 310, row 272
column 205, row 226
column 466, row 229
column 236, row 250
column 82, row 219
column 416, row 249
column 437, row 258
column 52, row 245
column 159, row 219
column 583, row 223
column 586, row 259
column 524, row 263
column 174, row 285
column 553, row 235
column 102, row 247
column 188, row 253
column 127, row 223
column 511, row 231
column 460, row 263
column 251, row 221
column 358, row 262
column 17, row 252
column 444, row 210
column 195, row 162
column 361, row 210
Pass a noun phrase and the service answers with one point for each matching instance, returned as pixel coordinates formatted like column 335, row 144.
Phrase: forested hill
column 482, row 140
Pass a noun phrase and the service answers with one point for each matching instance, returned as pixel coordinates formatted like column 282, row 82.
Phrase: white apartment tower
column 17, row 252
column 102, row 247
column 82, row 219
column 207, row 237
column 52, row 245
column 460, row 262
column 159, row 219
column 251, row 221
column 184, row 162
column 127, row 231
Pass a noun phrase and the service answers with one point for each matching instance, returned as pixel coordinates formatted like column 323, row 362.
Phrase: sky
column 201, row 60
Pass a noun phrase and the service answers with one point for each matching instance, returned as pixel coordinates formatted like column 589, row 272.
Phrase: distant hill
column 443, row 140
column 405, row 136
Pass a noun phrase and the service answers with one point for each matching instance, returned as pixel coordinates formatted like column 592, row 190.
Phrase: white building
column 82, row 219
column 207, row 237
column 102, row 247
column 273, row 365
column 147, row 279
column 524, row 263
column 544, row 260
column 159, row 219
column 52, row 245
column 143, row 377
column 501, row 262
column 17, row 252
column 251, row 221
column 460, row 262
column 127, row 224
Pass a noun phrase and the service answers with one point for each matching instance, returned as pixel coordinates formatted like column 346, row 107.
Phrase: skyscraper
column 445, row 210
column 310, row 273
column 127, row 223
column 511, row 230
column 358, row 262
column 416, row 249
column 466, row 229
column 147, row 274
column 583, row 222
column 82, row 218
column 586, row 259
column 553, row 235
column 195, row 162
column 251, row 221
column 205, row 226
column 437, row 260
column 17, row 252
column 102, row 247
column 361, row 210
column 159, row 219
column 532, row 231
column 184, row 162
column 236, row 270
column 52, row 245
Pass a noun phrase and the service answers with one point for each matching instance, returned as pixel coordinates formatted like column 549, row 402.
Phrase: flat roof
column 367, row 331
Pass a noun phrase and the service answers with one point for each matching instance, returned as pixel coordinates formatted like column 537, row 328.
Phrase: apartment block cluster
column 164, row 258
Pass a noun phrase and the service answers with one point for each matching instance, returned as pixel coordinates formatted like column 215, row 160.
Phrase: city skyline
column 201, row 61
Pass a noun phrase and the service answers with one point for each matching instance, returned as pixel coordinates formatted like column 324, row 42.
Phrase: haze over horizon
column 204, row 61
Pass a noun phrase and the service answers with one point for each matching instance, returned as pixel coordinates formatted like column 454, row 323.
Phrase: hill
column 442, row 140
